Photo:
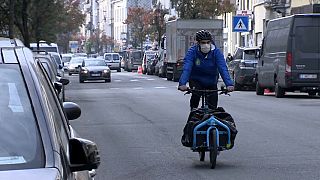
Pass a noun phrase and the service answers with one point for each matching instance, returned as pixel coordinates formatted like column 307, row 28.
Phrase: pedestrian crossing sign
column 240, row 24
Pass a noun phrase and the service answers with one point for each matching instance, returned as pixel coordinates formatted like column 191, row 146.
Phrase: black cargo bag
column 198, row 116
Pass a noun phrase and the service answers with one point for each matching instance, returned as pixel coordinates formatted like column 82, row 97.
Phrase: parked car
column 74, row 65
column 57, row 59
column 113, row 61
column 160, row 68
column 66, row 60
column 148, row 61
column 243, row 67
column 289, row 59
column 134, row 60
column 36, row 138
column 52, row 70
column 94, row 69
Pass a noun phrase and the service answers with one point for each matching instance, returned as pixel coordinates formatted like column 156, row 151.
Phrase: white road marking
column 114, row 88
column 161, row 87
column 117, row 80
column 134, row 80
column 14, row 101
column 137, row 88
column 150, row 79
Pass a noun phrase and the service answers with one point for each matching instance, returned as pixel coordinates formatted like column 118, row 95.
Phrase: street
column 137, row 122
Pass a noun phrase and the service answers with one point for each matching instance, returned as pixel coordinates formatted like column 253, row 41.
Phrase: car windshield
column 250, row 54
column 136, row 55
column 95, row 63
column 20, row 140
column 115, row 57
column 66, row 59
column 76, row 60
column 107, row 57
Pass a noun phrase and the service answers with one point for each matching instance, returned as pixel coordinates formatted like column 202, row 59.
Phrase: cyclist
column 202, row 65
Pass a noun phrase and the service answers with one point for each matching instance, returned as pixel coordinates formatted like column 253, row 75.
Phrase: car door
column 60, row 124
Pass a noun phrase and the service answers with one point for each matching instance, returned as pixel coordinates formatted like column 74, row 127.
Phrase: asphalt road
column 137, row 121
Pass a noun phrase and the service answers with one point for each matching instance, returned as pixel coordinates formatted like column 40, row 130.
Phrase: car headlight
column 84, row 71
column 106, row 71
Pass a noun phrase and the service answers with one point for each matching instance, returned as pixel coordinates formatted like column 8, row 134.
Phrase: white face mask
column 205, row 48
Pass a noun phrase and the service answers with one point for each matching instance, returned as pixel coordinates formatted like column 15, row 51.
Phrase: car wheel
column 279, row 91
column 259, row 89
column 108, row 80
column 119, row 70
column 81, row 81
column 70, row 74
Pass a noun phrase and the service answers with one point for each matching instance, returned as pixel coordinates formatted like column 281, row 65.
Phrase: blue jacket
column 203, row 69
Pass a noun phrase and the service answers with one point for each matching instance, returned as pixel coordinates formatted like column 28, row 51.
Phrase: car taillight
column 289, row 62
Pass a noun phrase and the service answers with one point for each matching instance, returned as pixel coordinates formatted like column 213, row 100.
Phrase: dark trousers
column 212, row 99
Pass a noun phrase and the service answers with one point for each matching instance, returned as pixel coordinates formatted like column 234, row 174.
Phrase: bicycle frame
column 212, row 122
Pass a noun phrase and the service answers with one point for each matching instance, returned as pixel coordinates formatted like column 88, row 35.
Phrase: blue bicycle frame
column 212, row 122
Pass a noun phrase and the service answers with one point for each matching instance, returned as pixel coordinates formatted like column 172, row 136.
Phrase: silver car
column 36, row 139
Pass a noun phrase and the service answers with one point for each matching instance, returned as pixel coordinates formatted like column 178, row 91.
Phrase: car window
column 238, row 54
column 95, row 63
column 66, row 59
column 250, row 54
column 52, row 66
column 136, row 55
column 306, row 39
column 21, row 145
column 76, row 61
column 115, row 57
column 48, row 70
column 108, row 57
column 57, row 59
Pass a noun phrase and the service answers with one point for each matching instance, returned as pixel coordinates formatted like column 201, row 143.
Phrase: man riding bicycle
column 202, row 65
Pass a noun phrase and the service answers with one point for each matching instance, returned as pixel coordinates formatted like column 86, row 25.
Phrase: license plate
column 95, row 75
column 308, row 76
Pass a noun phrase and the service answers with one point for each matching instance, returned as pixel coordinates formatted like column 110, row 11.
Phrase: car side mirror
column 58, row 87
column 60, row 66
column 72, row 110
column 84, row 155
column 64, row 81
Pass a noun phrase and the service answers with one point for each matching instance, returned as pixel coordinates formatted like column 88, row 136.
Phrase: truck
column 180, row 36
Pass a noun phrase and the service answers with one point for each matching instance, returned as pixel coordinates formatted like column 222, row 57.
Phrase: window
column 21, row 145
column 238, row 54
column 307, row 39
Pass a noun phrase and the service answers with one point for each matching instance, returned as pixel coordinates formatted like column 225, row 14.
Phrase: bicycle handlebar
column 204, row 91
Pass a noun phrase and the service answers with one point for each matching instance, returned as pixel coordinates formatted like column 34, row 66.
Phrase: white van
column 113, row 61
column 44, row 46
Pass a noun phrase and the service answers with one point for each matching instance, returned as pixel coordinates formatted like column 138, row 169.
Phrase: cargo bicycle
column 213, row 131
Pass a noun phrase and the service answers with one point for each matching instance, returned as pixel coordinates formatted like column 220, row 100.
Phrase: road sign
column 240, row 24
column 244, row 13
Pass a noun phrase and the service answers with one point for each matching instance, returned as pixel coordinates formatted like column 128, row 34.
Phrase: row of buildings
column 108, row 16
